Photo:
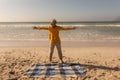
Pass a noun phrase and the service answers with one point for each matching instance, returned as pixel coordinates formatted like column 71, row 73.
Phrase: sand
column 101, row 63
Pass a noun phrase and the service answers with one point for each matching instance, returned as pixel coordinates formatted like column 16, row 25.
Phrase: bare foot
column 62, row 61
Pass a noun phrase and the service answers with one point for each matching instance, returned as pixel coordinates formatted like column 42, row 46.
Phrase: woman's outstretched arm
column 68, row 28
column 40, row 28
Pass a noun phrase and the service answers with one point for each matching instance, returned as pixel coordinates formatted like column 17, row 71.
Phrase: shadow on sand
column 89, row 66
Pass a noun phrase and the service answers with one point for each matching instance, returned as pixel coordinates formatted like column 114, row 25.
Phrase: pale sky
column 62, row 10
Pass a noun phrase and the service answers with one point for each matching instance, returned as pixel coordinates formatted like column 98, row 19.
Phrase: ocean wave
column 79, row 25
column 62, row 24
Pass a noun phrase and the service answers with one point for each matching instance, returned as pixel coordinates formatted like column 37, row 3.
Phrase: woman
column 54, row 38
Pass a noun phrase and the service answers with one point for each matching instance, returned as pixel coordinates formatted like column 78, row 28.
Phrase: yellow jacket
column 54, row 34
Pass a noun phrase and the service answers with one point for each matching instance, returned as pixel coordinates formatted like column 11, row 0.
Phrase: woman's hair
column 53, row 23
column 54, row 20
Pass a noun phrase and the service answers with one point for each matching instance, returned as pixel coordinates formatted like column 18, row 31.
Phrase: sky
column 62, row 10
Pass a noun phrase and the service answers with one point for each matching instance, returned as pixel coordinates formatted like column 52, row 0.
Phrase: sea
column 85, row 31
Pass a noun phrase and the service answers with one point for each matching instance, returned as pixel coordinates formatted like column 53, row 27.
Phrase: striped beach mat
column 56, row 70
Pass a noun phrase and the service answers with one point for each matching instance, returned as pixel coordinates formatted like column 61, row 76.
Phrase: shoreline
column 15, row 43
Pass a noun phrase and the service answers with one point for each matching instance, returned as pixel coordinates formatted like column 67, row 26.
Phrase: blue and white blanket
column 56, row 70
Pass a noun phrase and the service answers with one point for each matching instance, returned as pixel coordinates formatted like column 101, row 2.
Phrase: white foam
column 64, row 25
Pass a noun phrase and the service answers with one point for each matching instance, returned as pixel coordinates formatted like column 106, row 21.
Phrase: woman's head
column 53, row 23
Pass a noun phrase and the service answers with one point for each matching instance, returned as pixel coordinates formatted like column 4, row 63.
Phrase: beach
column 101, row 62
column 94, row 45
column 32, row 33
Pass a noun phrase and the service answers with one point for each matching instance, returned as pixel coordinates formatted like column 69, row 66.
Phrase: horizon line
column 58, row 21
